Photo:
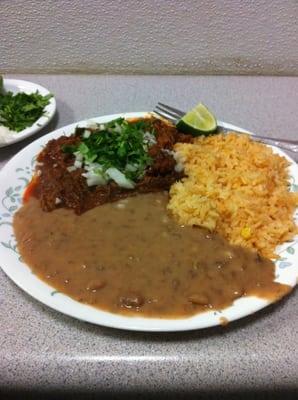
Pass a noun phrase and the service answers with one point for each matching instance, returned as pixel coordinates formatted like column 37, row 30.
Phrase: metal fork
column 173, row 115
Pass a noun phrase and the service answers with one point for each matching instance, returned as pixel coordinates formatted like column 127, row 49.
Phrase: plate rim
column 65, row 304
column 43, row 121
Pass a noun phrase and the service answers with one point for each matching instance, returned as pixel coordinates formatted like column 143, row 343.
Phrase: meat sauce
column 55, row 186
column 131, row 257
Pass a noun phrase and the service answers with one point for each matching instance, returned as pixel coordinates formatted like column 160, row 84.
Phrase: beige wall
column 108, row 36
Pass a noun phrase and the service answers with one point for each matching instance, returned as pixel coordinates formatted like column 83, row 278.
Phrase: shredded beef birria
column 57, row 187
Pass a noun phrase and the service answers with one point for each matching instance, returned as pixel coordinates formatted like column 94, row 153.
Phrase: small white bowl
column 16, row 86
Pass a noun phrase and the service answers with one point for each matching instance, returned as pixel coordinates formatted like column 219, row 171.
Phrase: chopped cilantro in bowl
column 117, row 150
column 21, row 110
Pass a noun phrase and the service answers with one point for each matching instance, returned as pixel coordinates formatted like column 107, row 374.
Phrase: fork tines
column 170, row 113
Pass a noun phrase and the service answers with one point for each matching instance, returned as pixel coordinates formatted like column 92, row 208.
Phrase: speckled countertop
column 42, row 350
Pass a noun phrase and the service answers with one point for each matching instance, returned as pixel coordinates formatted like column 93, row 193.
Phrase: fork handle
column 279, row 140
column 288, row 146
column 285, row 144
column 261, row 138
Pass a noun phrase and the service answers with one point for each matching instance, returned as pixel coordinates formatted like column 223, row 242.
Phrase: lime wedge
column 198, row 121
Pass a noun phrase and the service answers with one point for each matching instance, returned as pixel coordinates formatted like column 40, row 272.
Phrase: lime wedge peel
column 198, row 121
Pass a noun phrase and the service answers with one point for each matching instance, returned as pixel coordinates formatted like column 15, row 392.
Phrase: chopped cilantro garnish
column 21, row 110
column 117, row 144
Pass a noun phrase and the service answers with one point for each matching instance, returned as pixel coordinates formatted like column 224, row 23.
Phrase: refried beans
column 131, row 257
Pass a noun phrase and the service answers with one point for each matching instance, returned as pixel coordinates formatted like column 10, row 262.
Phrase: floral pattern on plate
column 13, row 179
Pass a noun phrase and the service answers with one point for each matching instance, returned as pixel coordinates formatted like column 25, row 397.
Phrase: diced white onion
column 119, row 178
column 78, row 164
column 131, row 167
column 71, row 168
column 149, row 138
column 179, row 167
column 178, row 157
column 118, row 128
column 94, row 174
column 94, row 180
column 78, row 156
column 170, row 152
column 86, row 134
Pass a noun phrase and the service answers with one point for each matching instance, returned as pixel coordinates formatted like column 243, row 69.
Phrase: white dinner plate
column 16, row 86
column 13, row 179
